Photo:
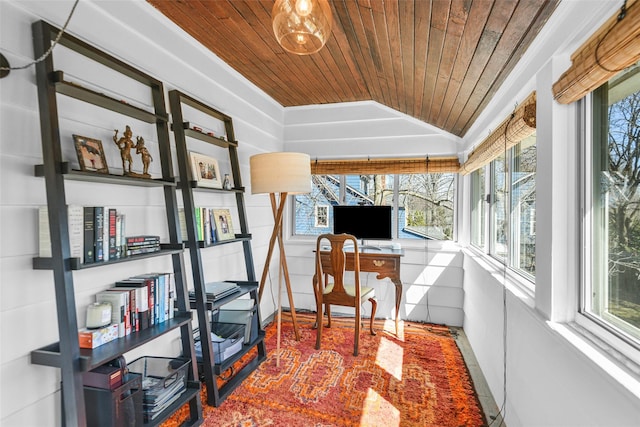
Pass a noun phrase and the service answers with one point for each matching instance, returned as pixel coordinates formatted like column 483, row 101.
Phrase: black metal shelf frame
column 66, row 354
column 182, row 131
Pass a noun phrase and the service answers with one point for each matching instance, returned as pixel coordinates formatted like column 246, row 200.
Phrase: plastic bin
column 239, row 311
column 163, row 381
column 118, row 407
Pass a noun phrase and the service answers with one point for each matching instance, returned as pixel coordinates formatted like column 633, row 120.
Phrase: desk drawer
column 381, row 264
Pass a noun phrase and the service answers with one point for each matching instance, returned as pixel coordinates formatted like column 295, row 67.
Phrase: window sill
column 620, row 368
column 517, row 284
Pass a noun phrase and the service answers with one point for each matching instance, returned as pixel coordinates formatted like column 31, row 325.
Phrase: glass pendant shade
column 301, row 26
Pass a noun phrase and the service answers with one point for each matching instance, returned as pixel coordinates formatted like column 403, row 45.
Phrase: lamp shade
column 280, row 173
column 301, row 26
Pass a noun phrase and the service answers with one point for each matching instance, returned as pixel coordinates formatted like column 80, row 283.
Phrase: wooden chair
column 334, row 263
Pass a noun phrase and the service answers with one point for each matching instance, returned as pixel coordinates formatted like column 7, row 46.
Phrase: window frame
column 489, row 246
column 615, row 339
column 395, row 207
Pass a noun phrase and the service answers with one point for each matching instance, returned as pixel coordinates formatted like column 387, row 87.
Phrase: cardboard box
column 92, row 338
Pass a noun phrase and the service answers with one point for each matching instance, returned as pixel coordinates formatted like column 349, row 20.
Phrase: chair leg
column 318, row 325
column 328, row 309
column 356, row 340
column 374, row 306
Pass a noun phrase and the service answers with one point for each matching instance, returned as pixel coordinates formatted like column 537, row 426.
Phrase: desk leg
column 398, row 284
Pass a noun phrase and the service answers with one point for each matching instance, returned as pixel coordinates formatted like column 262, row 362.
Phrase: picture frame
column 321, row 216
column 90, row 154
column 224, row 224
column 205, row 170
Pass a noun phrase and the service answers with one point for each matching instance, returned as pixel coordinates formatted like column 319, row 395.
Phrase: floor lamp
column 279, row 175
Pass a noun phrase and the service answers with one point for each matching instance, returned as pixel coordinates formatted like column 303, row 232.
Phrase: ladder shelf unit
column 183, row 130
column 67, row 354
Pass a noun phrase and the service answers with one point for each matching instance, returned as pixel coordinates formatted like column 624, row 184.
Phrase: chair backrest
column 333, row 262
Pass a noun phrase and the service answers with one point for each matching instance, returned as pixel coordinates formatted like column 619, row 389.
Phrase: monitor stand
column 363, row 246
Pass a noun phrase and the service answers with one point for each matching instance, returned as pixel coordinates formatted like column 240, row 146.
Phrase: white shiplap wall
column 135, row 33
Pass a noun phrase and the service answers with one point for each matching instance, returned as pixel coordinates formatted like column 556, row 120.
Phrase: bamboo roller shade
column 619, row 48
column 385, row 166
column 510, row 132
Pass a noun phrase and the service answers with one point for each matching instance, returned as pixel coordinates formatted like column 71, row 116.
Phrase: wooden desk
column 384, row 261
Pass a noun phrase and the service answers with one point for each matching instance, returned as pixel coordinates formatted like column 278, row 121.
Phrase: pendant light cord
column 48, row 52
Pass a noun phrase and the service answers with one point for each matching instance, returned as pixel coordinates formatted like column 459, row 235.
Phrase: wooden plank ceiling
column 439, row 61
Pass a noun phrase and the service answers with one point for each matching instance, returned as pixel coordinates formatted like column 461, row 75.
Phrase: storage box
column 163, row 381
column 92, row 338
column 107, row 377
column 239, row 311
column 119, row 407
column 227, row 341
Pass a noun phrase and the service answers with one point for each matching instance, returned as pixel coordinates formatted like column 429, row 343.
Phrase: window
column 523, row 206
column 424, row 207
column 512, row 195
column 478, row 207
column 612, row 288
column 498, row 242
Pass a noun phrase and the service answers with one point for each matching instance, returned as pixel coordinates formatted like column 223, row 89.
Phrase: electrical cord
column 48, row 52
column 501, row 411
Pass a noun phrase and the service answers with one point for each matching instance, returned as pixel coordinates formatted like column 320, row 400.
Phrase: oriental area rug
column 418, row 378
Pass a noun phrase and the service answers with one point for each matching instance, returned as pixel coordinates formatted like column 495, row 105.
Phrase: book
column 119, row 301
column 113, row 252
column 120, row 226
column 142, row 309
column 44, row 234
column 206, row 226
column 89, row 235
column 199, row 230
column 98, row 228
column 129, row 310
column 75, row 218
column 183, row 225
column 150, row 282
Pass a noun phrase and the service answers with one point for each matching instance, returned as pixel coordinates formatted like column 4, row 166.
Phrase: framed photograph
column 205, row 171
column 224, row 226
column 90, row 154
column 322, row 216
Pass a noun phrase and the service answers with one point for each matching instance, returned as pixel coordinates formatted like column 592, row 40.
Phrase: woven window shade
column 618, row 47
column 514, row 129
column 385, row 166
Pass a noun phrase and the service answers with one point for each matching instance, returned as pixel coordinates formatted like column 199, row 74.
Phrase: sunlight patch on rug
column 376, row 408
column 389, row 357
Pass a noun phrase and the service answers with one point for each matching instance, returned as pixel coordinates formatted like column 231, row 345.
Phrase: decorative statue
column 125, row 143
column 146, row 157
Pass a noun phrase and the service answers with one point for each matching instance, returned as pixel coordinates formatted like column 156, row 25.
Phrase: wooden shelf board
column 77, row 175
column 101, row 100
column 43, row 263
column 91, row 358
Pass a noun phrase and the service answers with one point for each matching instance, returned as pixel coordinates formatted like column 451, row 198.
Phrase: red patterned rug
column 417, row 379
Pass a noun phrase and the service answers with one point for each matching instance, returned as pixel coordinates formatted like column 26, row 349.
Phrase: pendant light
column 301, row 26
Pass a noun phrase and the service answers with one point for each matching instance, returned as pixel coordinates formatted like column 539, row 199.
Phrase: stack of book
column 137, row 245
column 217, row 290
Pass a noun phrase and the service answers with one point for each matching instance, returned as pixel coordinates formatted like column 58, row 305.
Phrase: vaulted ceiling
column 439, row 61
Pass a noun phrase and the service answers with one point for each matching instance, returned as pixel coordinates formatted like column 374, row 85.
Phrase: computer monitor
column 363, row 222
